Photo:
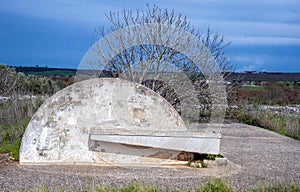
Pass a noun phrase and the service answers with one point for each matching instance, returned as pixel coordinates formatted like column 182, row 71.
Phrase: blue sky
column 265, row 35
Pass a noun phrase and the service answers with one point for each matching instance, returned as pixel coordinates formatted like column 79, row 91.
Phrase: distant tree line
column 28, row 70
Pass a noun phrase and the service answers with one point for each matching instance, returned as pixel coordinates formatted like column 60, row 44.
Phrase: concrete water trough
column 107, row 121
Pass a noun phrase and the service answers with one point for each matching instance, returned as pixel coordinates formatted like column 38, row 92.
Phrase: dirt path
column 255, row 156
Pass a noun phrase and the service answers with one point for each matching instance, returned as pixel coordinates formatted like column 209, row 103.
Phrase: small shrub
column 204, row 165
column 217, row 185
column 278, row 188
column 189, row 163
column 131, row 188
column 13, row 147
column 210, row 156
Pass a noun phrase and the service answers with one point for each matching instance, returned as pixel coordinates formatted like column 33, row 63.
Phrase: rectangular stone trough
column 105, row 140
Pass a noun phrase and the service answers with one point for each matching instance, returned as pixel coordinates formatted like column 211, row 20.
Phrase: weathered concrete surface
column 188, row 141
column 60, row 131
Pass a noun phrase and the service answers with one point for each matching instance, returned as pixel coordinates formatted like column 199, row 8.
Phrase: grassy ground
column 218, row 185
column 283, row 122
column 252, row 87
column 15, row 115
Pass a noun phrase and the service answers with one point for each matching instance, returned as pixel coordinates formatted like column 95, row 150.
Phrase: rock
column 220, row 162
column 5, row 157
column 195, row 164
column 185, row 156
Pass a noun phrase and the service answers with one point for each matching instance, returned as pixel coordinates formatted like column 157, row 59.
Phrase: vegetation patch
column 12, row 147
column 217, row 185
column 283, row 121
column 200, row 160
column 281, row 187
column 252, row 87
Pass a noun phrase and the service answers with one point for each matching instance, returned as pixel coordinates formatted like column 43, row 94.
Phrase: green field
column 45, row 71
column 52, row 73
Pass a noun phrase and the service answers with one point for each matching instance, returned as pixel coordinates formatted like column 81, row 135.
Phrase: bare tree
column 153, row 14
column 160, row 49
column 11, row 82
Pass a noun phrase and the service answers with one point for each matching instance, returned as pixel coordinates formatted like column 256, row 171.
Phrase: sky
column 264, row 35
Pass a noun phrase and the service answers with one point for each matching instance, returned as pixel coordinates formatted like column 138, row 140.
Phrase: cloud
column 74, row 11
column 245, row 23
column 264, row 62
column 251, row 63
column 264, row 41
column 254, row 33
column 246, row 10
column 246, row 28
column 256, row 18
column 251, row 67
column 253, row 22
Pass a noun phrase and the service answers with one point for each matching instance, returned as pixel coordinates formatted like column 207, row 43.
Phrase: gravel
column 255, row 156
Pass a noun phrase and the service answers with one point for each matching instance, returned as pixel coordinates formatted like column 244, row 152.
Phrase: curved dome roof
column 59, row 131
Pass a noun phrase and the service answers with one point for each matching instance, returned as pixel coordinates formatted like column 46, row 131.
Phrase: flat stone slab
column 156, row 133
column 188, row 141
